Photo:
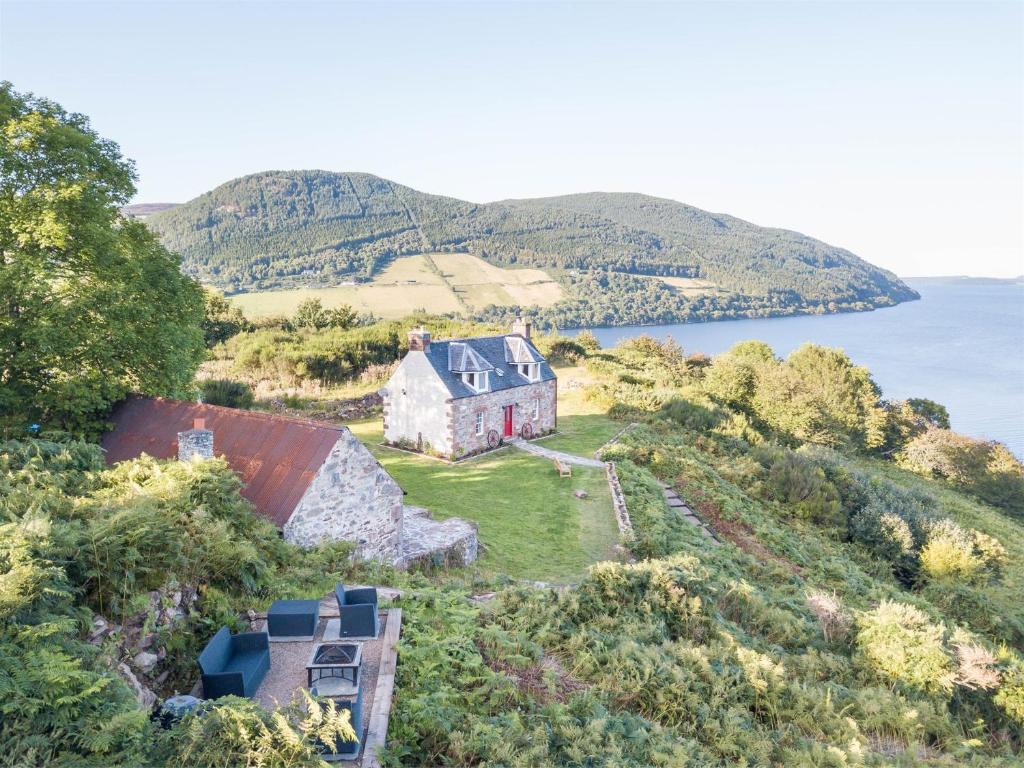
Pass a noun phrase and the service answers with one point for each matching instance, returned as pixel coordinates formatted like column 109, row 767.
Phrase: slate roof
column 492, row 350
column 462, row 358
column 275, row 457
column 519, row 350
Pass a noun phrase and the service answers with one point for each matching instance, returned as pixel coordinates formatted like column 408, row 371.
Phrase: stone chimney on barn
column 197, row 441
column 522, row 326
column 419, row 340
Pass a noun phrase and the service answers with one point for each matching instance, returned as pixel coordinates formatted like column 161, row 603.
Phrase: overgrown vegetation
column 77, row 539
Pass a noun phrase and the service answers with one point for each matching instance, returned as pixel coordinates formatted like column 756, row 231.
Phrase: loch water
column 961, row 344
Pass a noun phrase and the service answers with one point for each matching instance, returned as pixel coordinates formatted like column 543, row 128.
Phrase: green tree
column 222, row 319
column 91, row 305
column 311, row 313
column 819, row 396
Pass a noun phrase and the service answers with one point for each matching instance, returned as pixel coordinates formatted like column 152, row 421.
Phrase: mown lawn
column 531, row 524
column 582, row 426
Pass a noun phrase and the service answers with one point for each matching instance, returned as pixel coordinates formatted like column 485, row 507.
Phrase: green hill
column 293, row 229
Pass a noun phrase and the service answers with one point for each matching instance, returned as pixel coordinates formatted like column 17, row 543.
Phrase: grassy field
column 691, row 286
column 479, row 284
column 441, row 282
column 531, row 524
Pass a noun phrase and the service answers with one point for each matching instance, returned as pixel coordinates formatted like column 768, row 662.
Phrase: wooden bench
column 564, row 470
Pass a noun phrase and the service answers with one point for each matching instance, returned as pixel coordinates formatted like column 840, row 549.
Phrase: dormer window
column 530, row 370
column 477, row 380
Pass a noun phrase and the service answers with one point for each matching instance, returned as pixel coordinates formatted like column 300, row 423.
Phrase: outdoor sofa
column 234, row 665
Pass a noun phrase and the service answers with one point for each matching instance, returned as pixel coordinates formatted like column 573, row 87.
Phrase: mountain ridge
column 287, row 229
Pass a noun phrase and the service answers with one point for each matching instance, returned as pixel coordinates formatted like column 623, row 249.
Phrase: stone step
column 676, row 503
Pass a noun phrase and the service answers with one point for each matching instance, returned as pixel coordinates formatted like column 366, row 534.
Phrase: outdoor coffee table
column 334, row 669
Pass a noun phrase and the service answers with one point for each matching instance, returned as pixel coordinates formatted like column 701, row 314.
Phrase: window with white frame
column 536, row 408
column 476, row 381
column 480, row 423
column 530, row 370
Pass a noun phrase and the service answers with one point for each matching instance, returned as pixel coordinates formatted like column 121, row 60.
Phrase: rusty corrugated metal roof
column 275, row 457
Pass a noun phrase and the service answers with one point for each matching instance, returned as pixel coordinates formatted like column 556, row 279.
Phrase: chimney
column 197, row 441
column 521, row 327
column 419, row 339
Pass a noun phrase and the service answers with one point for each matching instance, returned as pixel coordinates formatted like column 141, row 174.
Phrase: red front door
column 508, row 421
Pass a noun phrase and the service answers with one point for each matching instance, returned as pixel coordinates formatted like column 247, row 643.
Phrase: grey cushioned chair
column 358, row 611
column 234, row 665
column 355, row 708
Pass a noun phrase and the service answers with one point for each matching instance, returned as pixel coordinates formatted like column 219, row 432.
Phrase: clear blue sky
column 893, row 129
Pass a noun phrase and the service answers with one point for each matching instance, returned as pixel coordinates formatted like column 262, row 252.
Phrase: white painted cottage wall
column 415, row 405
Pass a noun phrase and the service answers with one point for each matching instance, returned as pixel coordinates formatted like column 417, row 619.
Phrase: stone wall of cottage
column 352, row 498
column 414, row 407
column 462, row 415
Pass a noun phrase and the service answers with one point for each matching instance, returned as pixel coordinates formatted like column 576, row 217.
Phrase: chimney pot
column 198, row 423
column 522, row 327
column 419, row 339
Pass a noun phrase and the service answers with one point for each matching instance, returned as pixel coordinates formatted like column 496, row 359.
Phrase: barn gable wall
column 352, row 498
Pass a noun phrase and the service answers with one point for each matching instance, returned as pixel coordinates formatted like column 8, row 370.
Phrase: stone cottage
column 458, row 397
column 315, row 481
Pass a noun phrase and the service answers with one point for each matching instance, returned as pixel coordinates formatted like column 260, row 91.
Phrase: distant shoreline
column 966, row 278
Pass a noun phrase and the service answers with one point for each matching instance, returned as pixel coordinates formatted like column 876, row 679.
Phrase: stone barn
column 315, row 481
column 459, row 397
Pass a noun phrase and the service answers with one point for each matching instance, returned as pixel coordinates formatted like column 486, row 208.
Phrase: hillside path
column 547, row 453
column 677, row 505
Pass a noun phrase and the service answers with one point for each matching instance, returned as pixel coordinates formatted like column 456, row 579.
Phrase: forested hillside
column 314, row 228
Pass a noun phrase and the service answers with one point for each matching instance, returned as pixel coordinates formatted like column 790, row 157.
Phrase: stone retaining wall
column 618, row 501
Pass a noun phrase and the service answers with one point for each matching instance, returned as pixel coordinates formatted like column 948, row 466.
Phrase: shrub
column 952, row 552
column 803, row 487
column 1010, row 696
column 986, row 469
column 949, row 553
column 566, row 351
column 691, row 415
column 976, row 667
column 588, row 341
column 828, row 609
column 899, row 643
column 234, row 731
column 231, row 394
column 377, row 373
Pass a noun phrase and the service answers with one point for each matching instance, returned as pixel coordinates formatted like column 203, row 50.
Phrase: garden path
column 547, row 453
column 677, row 505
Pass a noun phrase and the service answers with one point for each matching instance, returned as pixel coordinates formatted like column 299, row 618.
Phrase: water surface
column 961, row 345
